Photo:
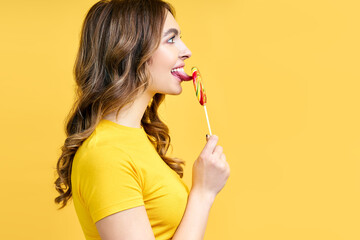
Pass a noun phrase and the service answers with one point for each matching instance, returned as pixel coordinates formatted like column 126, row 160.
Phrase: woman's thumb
column 207, row 137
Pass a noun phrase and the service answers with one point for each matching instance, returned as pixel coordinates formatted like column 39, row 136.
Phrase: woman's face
column 170, row 54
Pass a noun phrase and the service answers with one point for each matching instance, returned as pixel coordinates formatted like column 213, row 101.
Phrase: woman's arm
column 193, row 223
column 210, row 173
column 130, row 224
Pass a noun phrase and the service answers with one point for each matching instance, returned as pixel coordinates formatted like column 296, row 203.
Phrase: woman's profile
column 113, row 163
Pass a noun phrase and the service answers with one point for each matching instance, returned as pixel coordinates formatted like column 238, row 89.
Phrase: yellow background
column 282, row 80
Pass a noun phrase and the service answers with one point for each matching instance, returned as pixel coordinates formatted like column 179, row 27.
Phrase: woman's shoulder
column 106, row 147
column 103, row 140
column 104, row 154
column 101, row 162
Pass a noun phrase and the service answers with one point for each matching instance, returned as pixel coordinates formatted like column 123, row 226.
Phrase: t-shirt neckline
column 123, row 127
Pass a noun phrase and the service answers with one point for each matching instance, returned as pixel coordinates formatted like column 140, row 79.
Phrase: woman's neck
column 131, row 114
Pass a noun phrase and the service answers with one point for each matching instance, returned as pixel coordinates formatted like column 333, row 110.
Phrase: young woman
column 113, row 161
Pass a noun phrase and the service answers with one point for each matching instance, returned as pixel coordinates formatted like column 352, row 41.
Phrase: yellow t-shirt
column 117, row 168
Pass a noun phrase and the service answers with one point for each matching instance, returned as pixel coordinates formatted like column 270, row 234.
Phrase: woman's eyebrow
column 171, row 30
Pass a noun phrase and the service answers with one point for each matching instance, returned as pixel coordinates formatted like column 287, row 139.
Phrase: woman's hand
column 210, row 170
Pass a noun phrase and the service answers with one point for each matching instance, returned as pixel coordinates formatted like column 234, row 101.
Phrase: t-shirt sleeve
column 110, row 182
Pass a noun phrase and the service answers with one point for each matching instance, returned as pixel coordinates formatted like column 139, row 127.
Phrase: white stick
column 207, row 119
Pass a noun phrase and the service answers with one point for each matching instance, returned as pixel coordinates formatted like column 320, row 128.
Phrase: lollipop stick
column 207, row 119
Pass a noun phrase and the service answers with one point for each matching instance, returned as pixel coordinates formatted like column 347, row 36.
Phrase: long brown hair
column 118, row 38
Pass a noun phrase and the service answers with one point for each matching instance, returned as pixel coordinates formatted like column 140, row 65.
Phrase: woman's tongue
column 182, row 75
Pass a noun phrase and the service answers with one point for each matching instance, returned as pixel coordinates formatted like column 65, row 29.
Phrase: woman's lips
column 182, row 75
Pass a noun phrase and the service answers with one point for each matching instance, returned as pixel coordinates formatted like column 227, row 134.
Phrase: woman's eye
column 171, row 39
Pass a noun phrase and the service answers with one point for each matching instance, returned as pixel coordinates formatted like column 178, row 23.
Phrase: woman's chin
column 178, row 92
column 175, row 91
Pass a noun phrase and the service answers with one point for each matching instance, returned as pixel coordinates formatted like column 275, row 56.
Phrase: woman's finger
column 218, row 151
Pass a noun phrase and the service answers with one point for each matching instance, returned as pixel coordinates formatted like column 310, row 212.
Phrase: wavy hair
column 117, row 39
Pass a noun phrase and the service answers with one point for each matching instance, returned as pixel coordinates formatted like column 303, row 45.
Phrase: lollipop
column 200, row 91
column 198, row 86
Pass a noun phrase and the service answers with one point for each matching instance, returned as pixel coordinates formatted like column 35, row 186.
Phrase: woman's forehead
column 170, row 22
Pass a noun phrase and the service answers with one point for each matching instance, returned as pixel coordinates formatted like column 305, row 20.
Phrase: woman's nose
column 185, row 53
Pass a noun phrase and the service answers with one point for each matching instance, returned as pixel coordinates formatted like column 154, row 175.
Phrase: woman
column 113, row 162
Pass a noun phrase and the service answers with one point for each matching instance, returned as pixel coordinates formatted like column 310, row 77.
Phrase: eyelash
column 173, row 38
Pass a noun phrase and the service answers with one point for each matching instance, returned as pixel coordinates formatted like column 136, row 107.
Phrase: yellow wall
column 282, row 80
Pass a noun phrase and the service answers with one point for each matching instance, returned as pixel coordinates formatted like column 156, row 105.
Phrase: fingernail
column 207, row 136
